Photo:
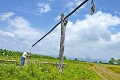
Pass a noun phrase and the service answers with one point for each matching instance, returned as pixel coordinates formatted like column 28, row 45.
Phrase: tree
column 76, row 59
column 95, row 62
column 118, row 61
column 64, row 58
column 100, row 62
column 112, row 61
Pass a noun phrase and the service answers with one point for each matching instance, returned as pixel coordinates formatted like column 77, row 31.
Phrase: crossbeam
column 8, row 61
column 60, row 22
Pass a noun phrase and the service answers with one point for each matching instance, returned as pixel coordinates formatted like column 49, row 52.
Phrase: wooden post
column 61, row 52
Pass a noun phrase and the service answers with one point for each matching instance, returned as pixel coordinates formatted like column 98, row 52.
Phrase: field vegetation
column 72, row 69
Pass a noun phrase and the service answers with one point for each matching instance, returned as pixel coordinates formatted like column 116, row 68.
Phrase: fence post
column 61, row 52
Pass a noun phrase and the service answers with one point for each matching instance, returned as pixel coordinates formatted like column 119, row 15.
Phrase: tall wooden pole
column 61, row 52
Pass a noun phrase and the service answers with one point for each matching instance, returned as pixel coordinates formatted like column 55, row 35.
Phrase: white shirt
column 24, row 54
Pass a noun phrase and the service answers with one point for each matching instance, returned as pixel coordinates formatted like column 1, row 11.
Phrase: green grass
column 116, row 69
column 73, row 70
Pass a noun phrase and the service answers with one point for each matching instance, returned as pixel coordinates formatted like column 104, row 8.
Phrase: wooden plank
column 8, row 61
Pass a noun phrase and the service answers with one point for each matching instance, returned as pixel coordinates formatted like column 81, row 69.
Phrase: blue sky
column 97, row 36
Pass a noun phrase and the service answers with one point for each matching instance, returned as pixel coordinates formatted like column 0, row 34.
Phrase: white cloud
column 58, row 18
column 4, row 16
column 25, row 35
column 73, row 4
column 19, row 32
column 115, row 37
column 94, row 27
column 116, row 12
column 92, row 33
column 19, row 23
column 6, row 34
column 84, row 38
column 22, row 29
column 43, row 8
column 87, row 38
column 2, row 40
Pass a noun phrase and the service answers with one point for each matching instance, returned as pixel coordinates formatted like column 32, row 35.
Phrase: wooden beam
column 61, row 52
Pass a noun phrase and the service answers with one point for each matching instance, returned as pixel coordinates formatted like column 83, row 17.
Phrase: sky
column 97, row 36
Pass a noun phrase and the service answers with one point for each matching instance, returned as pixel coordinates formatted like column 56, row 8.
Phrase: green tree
column 112, row 61
column 76, row 59
column 118, row 61
column 100, row 62
column 95, row 62
column 64, row 58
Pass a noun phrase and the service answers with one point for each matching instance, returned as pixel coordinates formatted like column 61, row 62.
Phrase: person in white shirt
column 24, row 55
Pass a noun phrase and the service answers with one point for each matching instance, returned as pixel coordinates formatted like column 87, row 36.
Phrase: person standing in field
column 24, row 55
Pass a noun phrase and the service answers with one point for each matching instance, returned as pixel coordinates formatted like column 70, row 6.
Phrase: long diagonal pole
column 60, row 22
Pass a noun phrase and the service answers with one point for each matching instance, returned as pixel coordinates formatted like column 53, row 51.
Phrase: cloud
column 92, row 33
column 3, row 40
column 93, row 28
column 43, row 8
column 22, row 29
column 19, row 32
column 115, row 37
column 58, row 18
column 73, row 4
column 84, row 38
column 38, row 9
column 7, row 34
column 88, row 37
column 5, row 16
column 116, row 12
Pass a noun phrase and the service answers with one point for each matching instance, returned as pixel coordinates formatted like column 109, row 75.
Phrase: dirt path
column 105, row 74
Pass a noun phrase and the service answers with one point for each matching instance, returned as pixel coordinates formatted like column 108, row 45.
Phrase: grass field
column 72, row 70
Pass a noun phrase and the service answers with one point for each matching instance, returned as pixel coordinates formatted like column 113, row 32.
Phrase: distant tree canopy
column 100, row 62
column 76, row 59
column 113, row 61
column 64, row 58
column 118, row 61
